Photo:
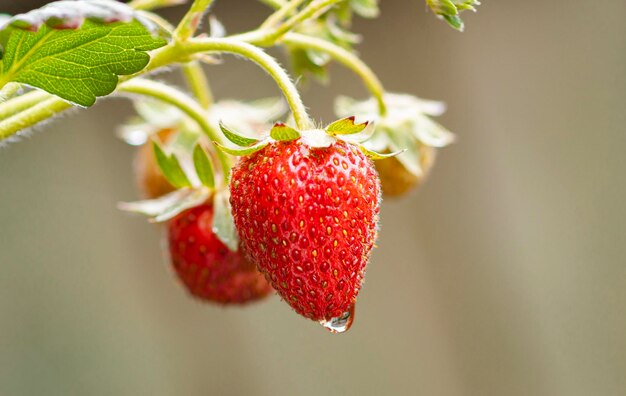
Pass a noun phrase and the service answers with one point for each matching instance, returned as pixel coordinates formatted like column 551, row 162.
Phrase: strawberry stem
column 257, row 55
column 190, row 22
column 198, row 83
column 344, row 57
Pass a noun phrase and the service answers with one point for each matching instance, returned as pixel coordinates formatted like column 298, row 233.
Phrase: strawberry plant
column 255, row 196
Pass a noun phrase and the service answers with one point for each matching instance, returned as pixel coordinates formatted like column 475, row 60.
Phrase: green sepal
column 373, row 155
column 170, row 167
column 223, row 223
column 238, row 152
column 283, row 132
column 204, row 167
column 236, row 138
column 455, row 21
column 168, row 206
column 345, row 126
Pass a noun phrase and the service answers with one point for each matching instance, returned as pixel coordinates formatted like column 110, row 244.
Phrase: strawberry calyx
column 345, row 129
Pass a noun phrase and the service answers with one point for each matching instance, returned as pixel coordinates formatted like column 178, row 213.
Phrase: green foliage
column 235, row 138
column 223, row 223
column 68, row 50
column 170, row 167
column 204, row 167
column 449, row 10
column 345, row 126
column 283, row 132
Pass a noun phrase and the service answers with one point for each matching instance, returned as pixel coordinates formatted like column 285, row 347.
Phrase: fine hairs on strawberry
column 308, row 218
column 206, row 267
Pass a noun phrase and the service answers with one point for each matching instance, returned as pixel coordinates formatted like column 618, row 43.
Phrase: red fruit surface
column 207, row 268
column 308, row 218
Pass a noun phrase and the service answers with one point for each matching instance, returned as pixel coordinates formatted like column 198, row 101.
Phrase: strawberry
column 206, row 267
column 397, row 180
column 307, row 216
column 149, row 179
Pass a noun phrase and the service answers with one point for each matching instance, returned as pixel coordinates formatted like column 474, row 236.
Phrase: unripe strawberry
column 148, row 177
column 206, row 267
column 307, row 216
column 397, row 180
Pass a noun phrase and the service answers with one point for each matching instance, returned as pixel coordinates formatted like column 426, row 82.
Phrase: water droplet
column 340, row 324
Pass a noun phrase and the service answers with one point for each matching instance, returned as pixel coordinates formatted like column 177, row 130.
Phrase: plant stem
column 257, row 55
column 266, row 38
column 37, row 113
column 275, row 4
column 9, row 90
column 190, row 22
column 147, row 5
column 198, row 83
column 22, row 102
column 184, row 103
column 344, row 57
column 281, row 13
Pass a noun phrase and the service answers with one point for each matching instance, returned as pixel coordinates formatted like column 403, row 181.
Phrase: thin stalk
column 265, row 38
column 344, row 57
column 269, row 64
column 283, row 12
column 198, row 83
column 147, row 5
column 190, row 22
column 35, row 114
column 22, row 102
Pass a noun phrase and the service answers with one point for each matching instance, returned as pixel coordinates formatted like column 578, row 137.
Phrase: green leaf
column 236, row 138
column 76, row 65
column 449, row 10
column 204, row 168
column 345, row 126
column 170, row 167
column 223, row 223
column 283, row 132
column 242, row 151
column 167, row 206
column 378, row 156
column 70, row 14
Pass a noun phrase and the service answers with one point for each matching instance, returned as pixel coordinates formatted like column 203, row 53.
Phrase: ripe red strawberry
column 308, row 218
column 207, row 268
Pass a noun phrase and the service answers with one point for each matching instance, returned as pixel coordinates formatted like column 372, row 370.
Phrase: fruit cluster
column 252, row 201
column 304, row 204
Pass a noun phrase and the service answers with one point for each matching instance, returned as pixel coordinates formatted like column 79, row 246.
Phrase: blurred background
column 504, row 275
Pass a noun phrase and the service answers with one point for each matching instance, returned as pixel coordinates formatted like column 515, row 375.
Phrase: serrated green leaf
column 373, row 155
column 345, row 126
column 204, row 168
column 170, row 167
column 223, row 223
column 76, row 65
column 236, row 138
column 242, row 151
column 283, row 132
